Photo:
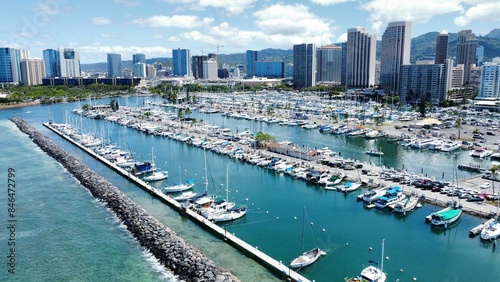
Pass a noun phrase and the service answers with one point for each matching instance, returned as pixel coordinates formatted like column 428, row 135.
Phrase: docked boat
column 491, row 232
column 374, row 134
column 446, row 216
column 179, row 187
column 481, row 152
column 142, row 168
column 373, row 152
column 184, row 196
column 450, row 146
column 156, row 176
column 231, row 214
column 371, row 273
column 349, row 186
column 406, row 205
column 372, row 195
column 392, row 195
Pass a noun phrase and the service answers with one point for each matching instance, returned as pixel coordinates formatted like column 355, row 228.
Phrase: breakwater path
column 171, row 250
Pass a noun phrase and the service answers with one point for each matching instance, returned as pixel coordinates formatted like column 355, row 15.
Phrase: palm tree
column 493, row 171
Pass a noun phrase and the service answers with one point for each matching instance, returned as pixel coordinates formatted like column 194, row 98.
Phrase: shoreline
column 19, row 105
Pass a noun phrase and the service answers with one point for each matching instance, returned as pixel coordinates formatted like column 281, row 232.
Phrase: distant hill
column 422, row 48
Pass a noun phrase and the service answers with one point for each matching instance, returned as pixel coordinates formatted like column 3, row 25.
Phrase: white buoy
column 370, row 248
column 324, row 230
column 267, row 211
column 414, row 279
column 236, row 190
column 277, row 217
column 347, row 244
column 386, row 258
column 401, row 270
column 294, row 217
column 246, row 199
column 312, row 223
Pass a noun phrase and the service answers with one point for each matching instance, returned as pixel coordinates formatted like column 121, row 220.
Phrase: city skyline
column 155, row 27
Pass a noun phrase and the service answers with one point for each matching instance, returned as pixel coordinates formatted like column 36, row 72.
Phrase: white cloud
column 179, row 21
column 157, row 36
column 174, row 39
column 107, row 35
column 231, row 7
column 199, row 36
column 342, row 37
column 330, row 2
column 488, row 11
column 416, row 11
column 285, row 25
column 101, row 21
column 125, row 51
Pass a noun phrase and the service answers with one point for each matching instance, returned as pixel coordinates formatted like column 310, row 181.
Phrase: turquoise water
column 341, row 226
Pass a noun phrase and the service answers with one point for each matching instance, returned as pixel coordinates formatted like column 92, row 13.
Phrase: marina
column 270, row 215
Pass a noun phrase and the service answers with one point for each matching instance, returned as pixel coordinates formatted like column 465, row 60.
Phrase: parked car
column 475, row 198
column 485, row 185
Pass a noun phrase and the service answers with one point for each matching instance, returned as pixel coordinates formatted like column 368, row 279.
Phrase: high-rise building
column 395, row 52
column 151, row 71
column 360, row 58
column 139, row 70
column 33, row 71
column 10, row 65
column 181, row 62
column 457, row 76
column 251, row 59
column 138, row 58
column 210, row 69
column 420, row 80
column 489, row 86
column 479, row 55
column 198, row 66
column 304, row 65
column 69, row 63
column 441, row 47
column 52, row 63
column 329, row 64
column 466, row 51
column 114, row 65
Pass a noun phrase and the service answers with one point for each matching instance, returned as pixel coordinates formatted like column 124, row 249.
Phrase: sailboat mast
column 303, row 224
column 382, row 258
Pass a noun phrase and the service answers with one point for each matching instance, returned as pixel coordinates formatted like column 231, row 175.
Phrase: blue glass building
column 138, row 58
column 114, row 65
column 52, row 63
column 251, row 60
column 10, row 65
column 181, row 62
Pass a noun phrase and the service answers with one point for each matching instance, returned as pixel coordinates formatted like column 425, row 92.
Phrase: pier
column 276, row 267
column 476, row 230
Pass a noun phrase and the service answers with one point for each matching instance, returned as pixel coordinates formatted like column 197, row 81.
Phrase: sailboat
column 372, row 273
column 179, row 187
column 229, row 214
column 448, row 215
column 492, row 231
column 309, row 257
column 155, row 175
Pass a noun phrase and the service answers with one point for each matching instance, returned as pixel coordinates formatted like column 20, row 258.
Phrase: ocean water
column 349, row 233
column 62, row 233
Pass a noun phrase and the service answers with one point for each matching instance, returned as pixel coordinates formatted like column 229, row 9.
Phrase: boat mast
column 382, row 258
column 303, row 224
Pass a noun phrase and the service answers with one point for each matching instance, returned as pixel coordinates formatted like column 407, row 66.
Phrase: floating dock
column 476, row 230
column 253, row 252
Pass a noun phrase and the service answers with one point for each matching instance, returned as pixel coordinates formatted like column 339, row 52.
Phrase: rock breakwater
column 187, row 262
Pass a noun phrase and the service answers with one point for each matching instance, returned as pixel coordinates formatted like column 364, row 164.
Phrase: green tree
column 262, row 139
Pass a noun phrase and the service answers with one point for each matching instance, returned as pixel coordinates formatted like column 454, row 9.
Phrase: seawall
column 185, row 261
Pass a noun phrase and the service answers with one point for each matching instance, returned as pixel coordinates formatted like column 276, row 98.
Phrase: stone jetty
column 185, row 261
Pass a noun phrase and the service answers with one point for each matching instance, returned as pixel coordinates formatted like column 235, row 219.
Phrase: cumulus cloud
column 416, row 11
column 127, row 3
column 174, row 39
column 91, row 51
column 157, row 36
column 179, row 21
column 101, row 21
column 488, row 11
column 285, row 25
column 330, row 2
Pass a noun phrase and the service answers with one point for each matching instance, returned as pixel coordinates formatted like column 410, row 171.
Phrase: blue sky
column 155, row 27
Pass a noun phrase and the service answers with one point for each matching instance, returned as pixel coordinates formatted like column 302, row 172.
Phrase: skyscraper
column 10, row 65
column 420, row 80
column 33, row 71
column 395, row 52
column 198, row 66
column 490, row 81
column 139, row 70
column 52, row 63
column 138, row 58
column 69, row 63
column 181, row 62
column 360, row 58
column 251, row 59
column 329, row 63
column 114, row 65
column 210, row 69
column 441, row 47
column 304, row 65
column 466, row 51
